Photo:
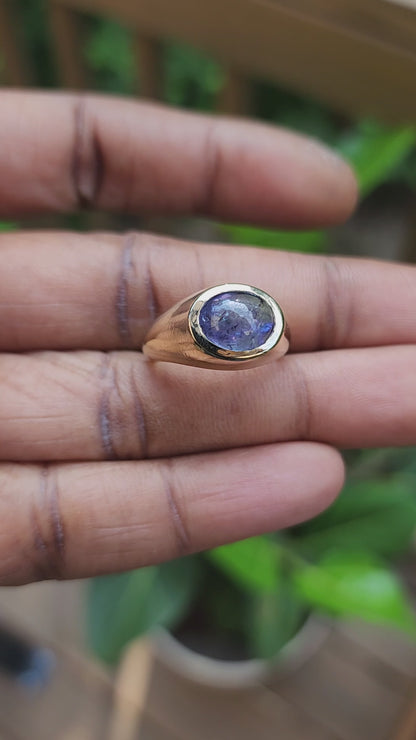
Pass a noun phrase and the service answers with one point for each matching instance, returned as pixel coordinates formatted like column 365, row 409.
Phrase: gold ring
column 227, row 327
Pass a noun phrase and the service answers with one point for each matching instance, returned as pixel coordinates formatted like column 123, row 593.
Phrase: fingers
column 85, row 519
column 66, row 151
column 73, row 291
column 92, row 406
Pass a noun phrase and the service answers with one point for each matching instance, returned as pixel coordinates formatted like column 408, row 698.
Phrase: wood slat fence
column 359, row 56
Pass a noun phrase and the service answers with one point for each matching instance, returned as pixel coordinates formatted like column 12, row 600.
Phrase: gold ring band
column 227, row 327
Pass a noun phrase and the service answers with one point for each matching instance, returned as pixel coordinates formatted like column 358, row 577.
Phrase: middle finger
column 72, row 291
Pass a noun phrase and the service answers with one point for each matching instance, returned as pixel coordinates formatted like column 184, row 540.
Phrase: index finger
column 62, row 151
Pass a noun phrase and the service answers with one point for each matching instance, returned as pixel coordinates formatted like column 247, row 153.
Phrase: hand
column 110, row 461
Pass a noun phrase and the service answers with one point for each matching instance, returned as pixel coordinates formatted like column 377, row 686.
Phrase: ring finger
column 94, row 406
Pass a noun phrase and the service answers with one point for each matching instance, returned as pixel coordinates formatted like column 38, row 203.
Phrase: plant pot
column 240, row 674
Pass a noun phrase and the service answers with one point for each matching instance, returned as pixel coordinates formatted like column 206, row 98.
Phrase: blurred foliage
column 134, row 602
column 353, row 584
column 376, row 153
column 190, row 79
column 32, row 28
column 361, row 514
column 340, row 563
column 109, row 53
column 185, row 69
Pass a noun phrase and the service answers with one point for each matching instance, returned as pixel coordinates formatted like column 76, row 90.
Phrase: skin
column 109, row 461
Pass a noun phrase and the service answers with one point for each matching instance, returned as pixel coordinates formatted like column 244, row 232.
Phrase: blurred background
column 306, row 633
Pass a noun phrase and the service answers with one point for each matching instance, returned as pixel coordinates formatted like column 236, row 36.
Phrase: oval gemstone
column 236, row 321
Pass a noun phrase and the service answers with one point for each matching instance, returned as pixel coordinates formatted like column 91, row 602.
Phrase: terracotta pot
column 240, row 674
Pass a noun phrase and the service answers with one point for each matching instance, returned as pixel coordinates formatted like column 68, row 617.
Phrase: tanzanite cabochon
column 236, row 321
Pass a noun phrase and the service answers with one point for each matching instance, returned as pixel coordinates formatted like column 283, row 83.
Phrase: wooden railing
column 12, row 54
column 359, row 56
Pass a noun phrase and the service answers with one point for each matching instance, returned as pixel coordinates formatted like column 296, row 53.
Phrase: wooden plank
column 197, row 712
column 65, row 26
column 378, row 20
column 131, row 688
column 353, row 689
column 406, row 727
column 391, row 648
column 51, row 611
column 7, row 735
column 161, row 704
column 149, row 730
column 16, row 70
column 234, row 98
column 75, row 704
column 404, row 3
column 339, row 693
column 371, row 665
column 263, row 38
column 148, row 53
column 409, row 247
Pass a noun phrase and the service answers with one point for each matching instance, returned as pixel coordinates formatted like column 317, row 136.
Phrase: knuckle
column 212, row 158
column 48, row 530
column 149, row 281
column 136, row 269
column 336, row 318
column 33, row 535
column 122, row 420
column 11, row 550
column 303, row 405
column 123, row 290
column 87, row 158
column 176, row 516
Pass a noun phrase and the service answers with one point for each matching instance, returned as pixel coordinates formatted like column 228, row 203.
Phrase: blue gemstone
column 236, row 321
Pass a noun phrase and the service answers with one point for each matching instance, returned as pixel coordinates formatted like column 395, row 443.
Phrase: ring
column 227, row 327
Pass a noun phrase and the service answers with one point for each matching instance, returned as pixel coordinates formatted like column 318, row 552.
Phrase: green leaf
column 376, row 515
column 376, row 152
column 350, row 584
column 252, row 564
column 123, row 606
column 192, row 79
column 297, row 241
column 109, row 53
column 274, row 619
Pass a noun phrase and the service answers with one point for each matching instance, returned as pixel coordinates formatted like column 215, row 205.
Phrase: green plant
column 376, row 154
column 260, row 590
column 190, row 79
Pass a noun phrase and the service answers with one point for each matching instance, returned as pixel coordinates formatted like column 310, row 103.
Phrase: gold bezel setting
column 177, row 336
column 213, row 350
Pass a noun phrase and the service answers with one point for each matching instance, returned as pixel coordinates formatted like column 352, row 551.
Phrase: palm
column 110, row 461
